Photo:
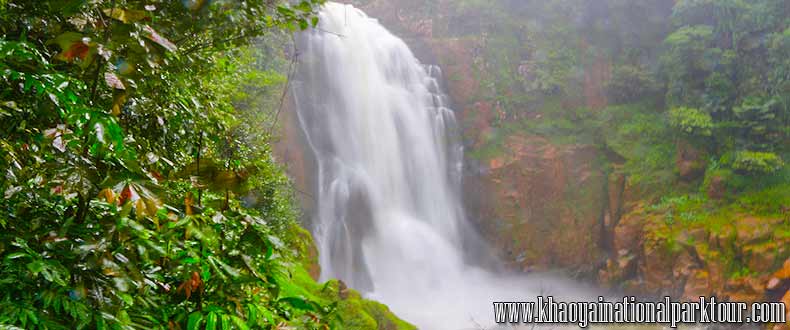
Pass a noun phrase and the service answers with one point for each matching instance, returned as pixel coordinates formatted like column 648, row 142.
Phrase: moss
column 352, row 312
column 301, row 243
column 771, row 201
column 383, row 316
column 493, row 145
column 354, row 317
column 671, row 222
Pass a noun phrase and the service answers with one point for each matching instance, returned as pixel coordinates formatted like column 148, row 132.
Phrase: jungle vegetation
column 138, row 186
column 705, row 78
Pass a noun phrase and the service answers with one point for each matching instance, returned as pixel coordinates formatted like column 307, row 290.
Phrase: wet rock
column 658, row 269
column 342, row 290
column 689, row 161
column 716, row 276
column 617, row 271
column 543, row 202
column 752, row 229
column 746, row 289
column 779, row 282
column 773, row 283
column 697, row 284
column 760, row 258
column 628, row 232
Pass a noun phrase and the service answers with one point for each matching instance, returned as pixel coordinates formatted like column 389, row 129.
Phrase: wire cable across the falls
column 291, row 70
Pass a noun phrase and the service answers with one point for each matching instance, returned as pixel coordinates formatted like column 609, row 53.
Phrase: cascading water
column 389, row 221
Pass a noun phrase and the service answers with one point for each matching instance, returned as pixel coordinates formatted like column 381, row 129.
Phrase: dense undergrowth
column 139, row 189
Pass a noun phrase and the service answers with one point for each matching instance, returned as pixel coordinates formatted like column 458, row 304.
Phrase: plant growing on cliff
column 691, row 121
column 722, row 60
column 631, row 83
column 756, row 162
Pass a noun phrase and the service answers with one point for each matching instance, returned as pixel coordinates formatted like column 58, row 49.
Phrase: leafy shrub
column 691, row 121
column 684, row 208
column 638, row 133
column 720, row 182
column 756, row 162
column 757, row 121
column 684, row 62
column 630, row 83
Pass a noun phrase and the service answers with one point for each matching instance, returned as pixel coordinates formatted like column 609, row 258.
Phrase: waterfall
column 389, row 220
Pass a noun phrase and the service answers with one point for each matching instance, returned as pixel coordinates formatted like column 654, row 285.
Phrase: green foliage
column 756, row 162
column 631, row 83
column 683, row 209
column 691, row 121
column 722, row 178
column 639, row 134
column 771, row 201
column 130, row 131
column 757, row 121
column 685, row 62
column 722, row 60
column 715, row 71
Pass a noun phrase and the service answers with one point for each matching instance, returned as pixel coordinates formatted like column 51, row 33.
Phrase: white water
column 389, row 221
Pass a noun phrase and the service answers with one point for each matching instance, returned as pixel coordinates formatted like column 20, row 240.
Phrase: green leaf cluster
column 691, row 121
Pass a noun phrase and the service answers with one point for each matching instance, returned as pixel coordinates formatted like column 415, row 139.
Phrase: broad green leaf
column 239, row 322
column 299, row 303
column 226, row 322
column 36, row 267
column 211, row 321
column 194, row 321
column 16, row 255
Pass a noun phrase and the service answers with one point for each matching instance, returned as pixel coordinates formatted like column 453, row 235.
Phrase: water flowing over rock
column 388, row 218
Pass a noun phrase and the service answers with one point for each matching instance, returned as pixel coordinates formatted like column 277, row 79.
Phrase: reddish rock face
column 690, row 261
column 542, row 205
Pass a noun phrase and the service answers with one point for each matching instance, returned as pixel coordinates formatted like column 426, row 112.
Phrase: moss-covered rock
column 351, row 310
column 689, row 246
